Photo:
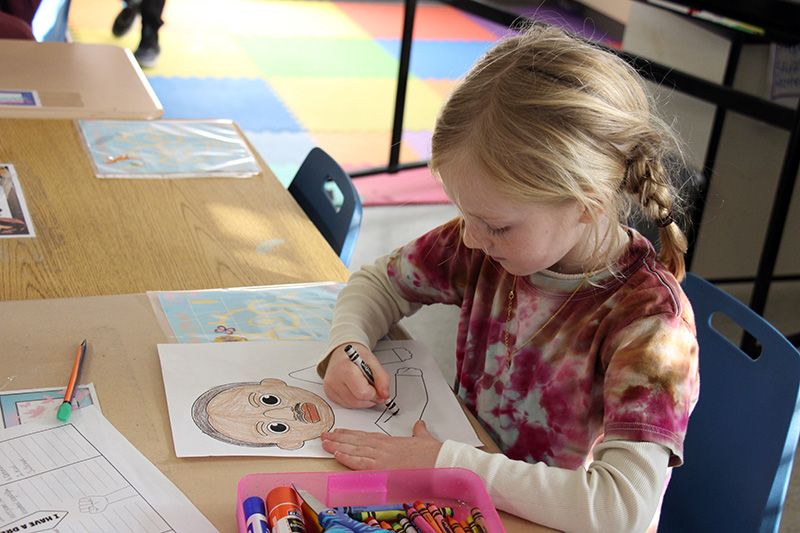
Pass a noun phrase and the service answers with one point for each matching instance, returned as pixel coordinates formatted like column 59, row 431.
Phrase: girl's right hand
column 346, row 385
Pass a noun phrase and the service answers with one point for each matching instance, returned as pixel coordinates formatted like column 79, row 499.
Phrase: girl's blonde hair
column 550, row 117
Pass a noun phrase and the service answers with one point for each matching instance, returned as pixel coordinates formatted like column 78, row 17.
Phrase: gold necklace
column 509, row 354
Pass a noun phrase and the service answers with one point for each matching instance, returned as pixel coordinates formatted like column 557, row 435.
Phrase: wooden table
column 76, row 80
column 122, row 362
column 126, row 236
column 100, row 244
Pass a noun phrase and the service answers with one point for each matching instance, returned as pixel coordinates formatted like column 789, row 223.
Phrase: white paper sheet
column 285, row 415
column 84, row 476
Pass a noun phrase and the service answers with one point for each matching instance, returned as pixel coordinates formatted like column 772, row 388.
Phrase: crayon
column 372, row 522
column 367, row 371
column 439, row 517
column 419, row 522
column 406, row 525
column 380, row 515
column 480, row 522
column 255, row 515
column 382, row 512
column 357, row 509
column 385, row 525
column 455, row 525
column 466, row 526
column 424, row 513
column 397, row 527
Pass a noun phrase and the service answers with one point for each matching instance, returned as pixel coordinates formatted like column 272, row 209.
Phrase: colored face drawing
column 269, row 412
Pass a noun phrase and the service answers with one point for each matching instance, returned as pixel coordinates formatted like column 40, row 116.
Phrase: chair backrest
column 337, row 217
column 50, row 21
column 742, row 435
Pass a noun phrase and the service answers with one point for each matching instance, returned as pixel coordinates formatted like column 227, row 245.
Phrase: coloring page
column 265, row 398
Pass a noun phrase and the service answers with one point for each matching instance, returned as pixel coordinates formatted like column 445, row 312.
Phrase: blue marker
column 255, row 515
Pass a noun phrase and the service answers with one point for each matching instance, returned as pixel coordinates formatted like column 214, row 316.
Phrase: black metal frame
column 723, row 96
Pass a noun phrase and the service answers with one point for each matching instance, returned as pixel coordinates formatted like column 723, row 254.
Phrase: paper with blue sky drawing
column 265, row 398
column 286, row 312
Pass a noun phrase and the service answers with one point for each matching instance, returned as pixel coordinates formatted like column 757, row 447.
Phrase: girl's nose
column 473, row 239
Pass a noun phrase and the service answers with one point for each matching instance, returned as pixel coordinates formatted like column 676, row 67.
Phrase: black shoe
column 147, row 56
column 126, row 18
column 147, row 53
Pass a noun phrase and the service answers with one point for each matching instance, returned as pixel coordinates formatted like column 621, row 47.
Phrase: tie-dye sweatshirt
column 618, row 360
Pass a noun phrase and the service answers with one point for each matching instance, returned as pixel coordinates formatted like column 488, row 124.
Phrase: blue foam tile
column 440, row 59
column 249, row 102
column 277, row 148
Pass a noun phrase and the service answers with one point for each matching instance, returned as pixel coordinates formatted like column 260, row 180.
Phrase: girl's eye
column 496, row 231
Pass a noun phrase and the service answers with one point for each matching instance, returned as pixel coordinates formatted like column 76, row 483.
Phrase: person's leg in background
column 150, row 10
column 149, row 49
column 126, row 17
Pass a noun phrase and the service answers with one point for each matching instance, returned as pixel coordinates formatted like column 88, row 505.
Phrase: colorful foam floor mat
column 298, row 74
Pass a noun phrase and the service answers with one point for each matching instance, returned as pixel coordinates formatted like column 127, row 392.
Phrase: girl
column 576, row 347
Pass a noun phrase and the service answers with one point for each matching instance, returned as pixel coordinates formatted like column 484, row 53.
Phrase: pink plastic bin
column 458, row 488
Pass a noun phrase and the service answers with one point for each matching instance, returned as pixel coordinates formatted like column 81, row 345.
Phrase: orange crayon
column 439, row 517
column 424, row 513
column 455, row 525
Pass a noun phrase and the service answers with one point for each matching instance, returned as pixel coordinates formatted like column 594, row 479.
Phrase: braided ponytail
column 654, row 197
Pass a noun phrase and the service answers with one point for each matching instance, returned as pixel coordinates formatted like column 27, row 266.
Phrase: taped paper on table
column 167, row 149
column 265, row 398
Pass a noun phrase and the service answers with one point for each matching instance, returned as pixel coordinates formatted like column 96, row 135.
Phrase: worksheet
column 265, row 398
column 83, row 476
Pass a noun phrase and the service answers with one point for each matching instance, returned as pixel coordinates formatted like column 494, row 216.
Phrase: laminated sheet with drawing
column 265, row 398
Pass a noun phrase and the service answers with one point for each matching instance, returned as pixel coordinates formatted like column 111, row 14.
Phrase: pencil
column 66, row 406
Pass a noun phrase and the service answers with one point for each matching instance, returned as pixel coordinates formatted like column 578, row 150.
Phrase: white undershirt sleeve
column 620, row 491
column 367, row 307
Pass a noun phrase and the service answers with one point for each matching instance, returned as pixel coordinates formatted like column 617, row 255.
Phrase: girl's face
column 523, row 237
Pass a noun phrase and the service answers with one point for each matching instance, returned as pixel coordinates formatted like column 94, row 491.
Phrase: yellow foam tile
column 442, row 87
column 362, row 150
column 355, row 104
column 93, row 14
column 184, row 54
column 268, row 19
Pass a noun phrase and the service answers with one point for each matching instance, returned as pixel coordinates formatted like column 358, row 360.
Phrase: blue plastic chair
column 327, row 195
column 50, row 21
column 742, row 436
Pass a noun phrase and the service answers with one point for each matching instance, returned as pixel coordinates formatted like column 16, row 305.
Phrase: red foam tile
column 413, row 186
column 432, row 23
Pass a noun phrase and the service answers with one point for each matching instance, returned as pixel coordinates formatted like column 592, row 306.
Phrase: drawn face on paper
column 264, row 413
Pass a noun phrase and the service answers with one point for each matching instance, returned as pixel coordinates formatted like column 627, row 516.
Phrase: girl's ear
column 586, row 216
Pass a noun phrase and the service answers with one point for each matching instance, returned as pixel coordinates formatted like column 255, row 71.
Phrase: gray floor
column 385, row 228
